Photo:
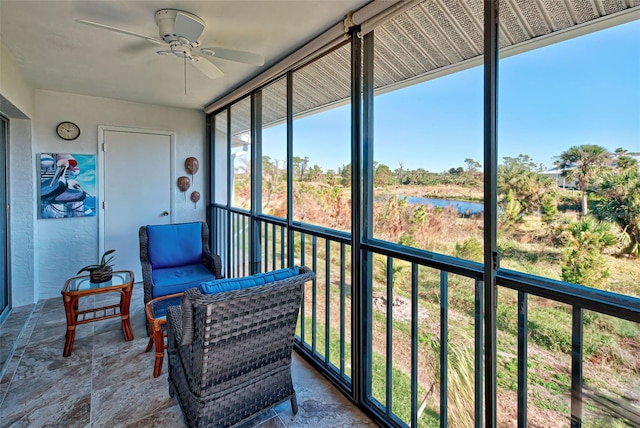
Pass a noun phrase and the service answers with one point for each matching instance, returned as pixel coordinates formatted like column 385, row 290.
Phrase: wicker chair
column 183, row 258
column 235, row 363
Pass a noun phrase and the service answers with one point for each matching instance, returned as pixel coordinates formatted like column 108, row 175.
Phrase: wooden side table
column 157, row 316
column 80, row 286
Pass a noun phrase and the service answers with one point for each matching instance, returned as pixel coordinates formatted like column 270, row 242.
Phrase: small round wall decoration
column 192, row 165
column 183, row 184
column 68, row 130
column 195, row 197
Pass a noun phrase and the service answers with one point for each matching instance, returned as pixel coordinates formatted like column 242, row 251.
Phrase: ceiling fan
column 180, row 32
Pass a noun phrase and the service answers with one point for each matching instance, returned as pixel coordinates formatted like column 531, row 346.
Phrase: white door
column 137, row 190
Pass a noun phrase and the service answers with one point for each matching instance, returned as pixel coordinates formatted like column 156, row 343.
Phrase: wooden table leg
column 69, row 304
column 158, row 338
column 151, row 337
column 125, row 301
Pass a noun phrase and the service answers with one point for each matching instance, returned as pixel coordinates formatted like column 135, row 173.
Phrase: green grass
column 401, row 387
column 609, row 342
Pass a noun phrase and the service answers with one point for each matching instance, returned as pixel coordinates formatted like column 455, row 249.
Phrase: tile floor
column 107, row 382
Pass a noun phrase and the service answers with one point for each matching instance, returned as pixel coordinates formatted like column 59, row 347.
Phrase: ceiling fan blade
column 234, row 55
column 136, row 47
column 206, row 67
column 120, row 30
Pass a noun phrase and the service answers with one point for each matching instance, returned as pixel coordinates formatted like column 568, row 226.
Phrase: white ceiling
column 56, row 53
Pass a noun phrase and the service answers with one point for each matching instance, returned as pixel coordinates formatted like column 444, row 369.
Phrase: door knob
column 166, row 213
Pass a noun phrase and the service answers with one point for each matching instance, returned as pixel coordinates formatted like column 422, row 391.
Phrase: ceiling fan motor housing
column 174, row 25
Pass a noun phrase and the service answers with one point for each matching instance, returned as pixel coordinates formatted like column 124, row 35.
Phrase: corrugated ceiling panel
column 449, row 28
column 274, row 101
column 407, row 30
column 476, row 9
column 421, row 39
column 438, row 40
column 240, row 116
column 392, row 37
column 510, row 23
column 583, row 10
column 472, row 26
column 303, row 97
column 324, row 81
column 613, row 6
column 430, row 35
column 221, row 122
column 384, row 67
column 533, row 17
column 558, row 13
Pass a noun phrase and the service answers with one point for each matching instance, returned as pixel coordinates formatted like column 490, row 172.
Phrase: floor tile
column 108, row 382
column 10, row 331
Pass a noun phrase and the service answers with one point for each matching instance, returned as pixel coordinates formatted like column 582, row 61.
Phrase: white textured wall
column 62, row 243
column 22, row 215
column 13, row 85
column 22, row 226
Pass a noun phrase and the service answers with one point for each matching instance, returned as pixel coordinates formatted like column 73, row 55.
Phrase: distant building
column 562, row 181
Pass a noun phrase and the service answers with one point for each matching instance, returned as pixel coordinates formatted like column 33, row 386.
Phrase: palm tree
column 620, row 204
column 582, row 163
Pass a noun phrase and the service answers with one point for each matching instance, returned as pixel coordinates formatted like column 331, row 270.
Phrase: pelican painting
column 67, row 185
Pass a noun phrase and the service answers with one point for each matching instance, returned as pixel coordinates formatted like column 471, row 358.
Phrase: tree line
column 608, row 182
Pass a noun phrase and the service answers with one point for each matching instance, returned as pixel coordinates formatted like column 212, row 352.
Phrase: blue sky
column 581, row 91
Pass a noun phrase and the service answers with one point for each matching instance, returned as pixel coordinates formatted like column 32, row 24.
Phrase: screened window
column 241, row 154
column 322, row 141
column 428, row 142
column 220, row 158
column 274, row 149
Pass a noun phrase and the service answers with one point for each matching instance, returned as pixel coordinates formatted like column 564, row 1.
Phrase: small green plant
column 549, row 209
column 584, row 241
column 512, row 212
column 470, row 249
column 106, row 263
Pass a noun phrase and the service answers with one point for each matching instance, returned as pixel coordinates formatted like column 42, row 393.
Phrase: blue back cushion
column 221, row 285
column 172, row 245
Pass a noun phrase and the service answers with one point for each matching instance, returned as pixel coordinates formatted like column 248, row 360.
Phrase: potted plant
column 102, row 271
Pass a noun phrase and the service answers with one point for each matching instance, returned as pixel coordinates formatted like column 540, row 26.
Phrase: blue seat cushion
column 178, row 279
column 222, row 285
column 172, row 245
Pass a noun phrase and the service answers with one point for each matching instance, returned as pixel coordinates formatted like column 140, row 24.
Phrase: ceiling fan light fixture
column 180, row 32
column 176, row 24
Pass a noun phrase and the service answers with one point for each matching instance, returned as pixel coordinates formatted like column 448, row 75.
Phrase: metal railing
column 432, row 282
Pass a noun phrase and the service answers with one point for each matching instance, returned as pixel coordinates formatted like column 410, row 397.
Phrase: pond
column 463, row 207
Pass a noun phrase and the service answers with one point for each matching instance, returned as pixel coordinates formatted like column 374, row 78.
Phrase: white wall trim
column 101, row 131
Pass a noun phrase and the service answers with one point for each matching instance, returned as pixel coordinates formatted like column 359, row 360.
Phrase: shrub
column 470, row 249
column 585, row 240
column 621, row 204
column 513, row 211
column 549, row 209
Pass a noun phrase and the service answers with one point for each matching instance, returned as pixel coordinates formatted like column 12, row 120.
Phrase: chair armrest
column 174, row 324
column 212, row 262
column 145, row 264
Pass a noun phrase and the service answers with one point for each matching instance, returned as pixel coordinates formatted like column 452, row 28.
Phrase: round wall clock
column 68, row 130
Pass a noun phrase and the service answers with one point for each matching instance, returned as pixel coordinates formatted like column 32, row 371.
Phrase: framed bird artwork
column 67, row 185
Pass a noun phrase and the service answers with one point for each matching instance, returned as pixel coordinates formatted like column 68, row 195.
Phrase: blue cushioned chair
column 175, row 257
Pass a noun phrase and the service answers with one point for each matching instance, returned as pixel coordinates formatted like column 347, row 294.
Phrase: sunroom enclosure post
column 490, row 206
column 255, row 231
column 210, row 174
column 359, row 325
column 230, row 184
column 290, row 232
column 367, row 192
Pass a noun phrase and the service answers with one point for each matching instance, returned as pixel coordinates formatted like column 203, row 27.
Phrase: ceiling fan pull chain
column 185, row 75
